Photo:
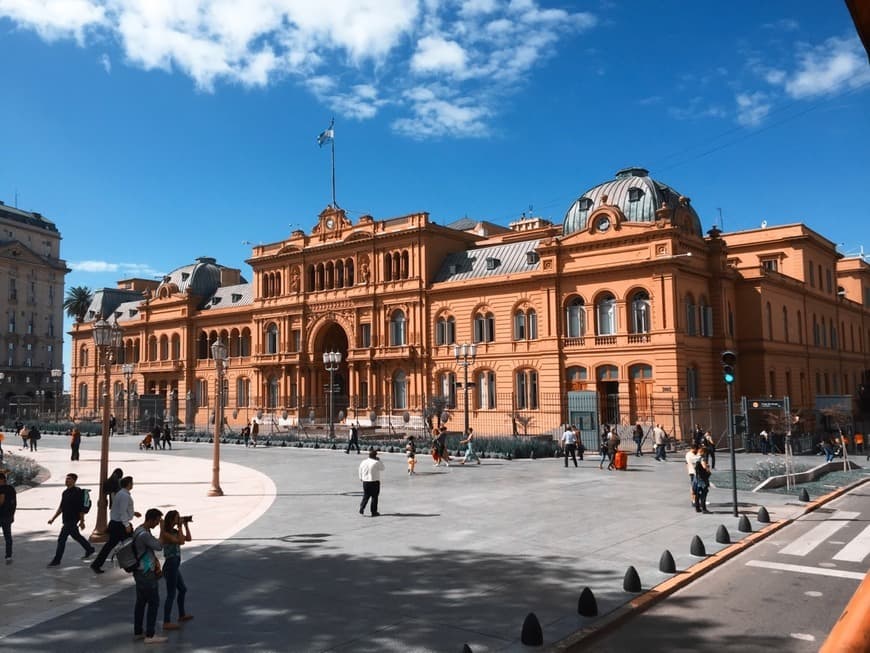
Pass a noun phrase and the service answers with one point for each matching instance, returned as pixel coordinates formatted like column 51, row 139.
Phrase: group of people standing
column 30, row 435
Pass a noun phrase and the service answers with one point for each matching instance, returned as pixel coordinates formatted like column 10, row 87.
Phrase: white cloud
column 349, row 53
column 752, row 108
column 435, row 115
column 836, row 65
column 134, row 269
column 106, row 62
column 435, row 54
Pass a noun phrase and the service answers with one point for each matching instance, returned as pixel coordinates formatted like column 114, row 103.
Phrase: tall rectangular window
column 365, row 335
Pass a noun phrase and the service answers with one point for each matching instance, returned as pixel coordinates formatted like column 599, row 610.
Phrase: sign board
column 766, row 404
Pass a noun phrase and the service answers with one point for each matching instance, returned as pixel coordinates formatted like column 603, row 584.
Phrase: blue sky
column 153, row 132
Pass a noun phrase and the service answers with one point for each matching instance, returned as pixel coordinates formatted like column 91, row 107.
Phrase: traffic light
column 729, row 360
column 739, row 424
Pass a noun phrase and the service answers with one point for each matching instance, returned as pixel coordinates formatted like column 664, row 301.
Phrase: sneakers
column 156, row 639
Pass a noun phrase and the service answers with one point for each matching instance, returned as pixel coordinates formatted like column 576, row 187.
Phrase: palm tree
column 77, row 301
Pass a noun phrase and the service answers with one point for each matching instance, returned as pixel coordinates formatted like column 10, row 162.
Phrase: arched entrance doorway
column 331, row 339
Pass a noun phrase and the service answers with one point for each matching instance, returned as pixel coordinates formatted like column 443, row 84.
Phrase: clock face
column 603, row 223
column 330, row 223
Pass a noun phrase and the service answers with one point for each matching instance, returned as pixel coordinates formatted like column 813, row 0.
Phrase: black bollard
column 697, row 547
column 763, row 517
column 587, row 606
column 743, row 525
column 667, row 564
column 631, row 581
column 722, row 536
column 804, row 495
column 532, row 635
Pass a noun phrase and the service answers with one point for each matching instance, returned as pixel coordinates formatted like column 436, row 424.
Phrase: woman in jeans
column 172, row 537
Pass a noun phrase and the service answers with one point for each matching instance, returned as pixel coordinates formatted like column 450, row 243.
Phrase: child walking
column 411, row 451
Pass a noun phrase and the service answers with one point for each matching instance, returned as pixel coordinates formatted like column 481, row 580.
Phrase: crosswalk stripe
column 803, row 569
column 815, row 536
column 857, row 549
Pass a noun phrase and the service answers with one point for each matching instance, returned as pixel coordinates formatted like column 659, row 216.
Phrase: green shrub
column 19, row 470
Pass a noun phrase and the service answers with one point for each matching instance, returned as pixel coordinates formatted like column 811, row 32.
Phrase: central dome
column 636, row 194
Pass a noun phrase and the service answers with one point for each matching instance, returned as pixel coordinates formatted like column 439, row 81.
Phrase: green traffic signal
column 729, row 360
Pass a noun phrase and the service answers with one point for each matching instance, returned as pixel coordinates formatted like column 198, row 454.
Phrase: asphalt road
column 783, row 594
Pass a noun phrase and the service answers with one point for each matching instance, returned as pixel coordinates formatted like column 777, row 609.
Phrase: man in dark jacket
column 72, row 503
column 7, row 513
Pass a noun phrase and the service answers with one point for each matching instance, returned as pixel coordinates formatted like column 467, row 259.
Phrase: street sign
column 766, row 404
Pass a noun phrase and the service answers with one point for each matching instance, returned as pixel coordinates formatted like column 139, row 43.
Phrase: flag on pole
column 327, row 135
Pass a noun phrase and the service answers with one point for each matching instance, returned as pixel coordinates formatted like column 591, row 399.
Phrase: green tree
column 77, row 300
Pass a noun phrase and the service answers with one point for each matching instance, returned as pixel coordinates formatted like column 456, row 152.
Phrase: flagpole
column 334, row 203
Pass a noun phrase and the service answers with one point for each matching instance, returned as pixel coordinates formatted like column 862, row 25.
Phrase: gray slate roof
column 472, row 264
column 231, row 296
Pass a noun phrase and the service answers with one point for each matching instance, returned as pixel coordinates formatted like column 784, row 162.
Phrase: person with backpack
column 120, row 522
column 72, row 509
column 8, row 503
column 147, row 575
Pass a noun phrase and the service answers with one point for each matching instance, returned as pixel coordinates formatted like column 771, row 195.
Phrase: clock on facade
column 330, row 223
column 603, row 223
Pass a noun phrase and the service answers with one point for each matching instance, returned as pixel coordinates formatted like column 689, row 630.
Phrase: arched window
column 397, row 328
column 575, row 318
column 397, row 266
column 400, row 390
column 640, row 312
column 691, row 316
column 309, row 278
column 484, row 327
column 339, row 274
column 605, row 315
column 330, row 276
column 276, row 289
column 152, row 348
column 201, row 392
column 388, row 267
column 202, row 346
column 405, row 264
column 519, row 325
column 785, row 322
column 245, row 342
column 447, row 388
column 692, row 382
column 243, row 392
column 83, row 395
column 486, row 390
column 525, row 325
column 526, row 389
column 445, row 331
column 348, row 272
column 320, row 276
column 176, row 347
column 83, row 358
column 576, row 377
column 272, row 338
column 164, row 347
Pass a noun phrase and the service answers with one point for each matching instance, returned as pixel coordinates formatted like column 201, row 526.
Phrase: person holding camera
column 174, row 532
column 370, row 471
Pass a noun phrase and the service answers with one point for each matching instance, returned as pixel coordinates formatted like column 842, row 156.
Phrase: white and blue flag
column 327, row 135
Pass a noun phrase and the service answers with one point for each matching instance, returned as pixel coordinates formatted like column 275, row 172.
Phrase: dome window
column 634, row 194
column 585, row 203
column 532, row 258
column 492, row 263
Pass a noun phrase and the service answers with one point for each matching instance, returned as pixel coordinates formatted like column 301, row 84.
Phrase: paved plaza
column 284, row 562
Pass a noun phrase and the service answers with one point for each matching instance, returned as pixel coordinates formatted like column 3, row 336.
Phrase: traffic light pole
column 730, row 412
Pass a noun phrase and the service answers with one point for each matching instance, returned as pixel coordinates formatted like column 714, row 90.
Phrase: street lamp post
column 56, row 375
column 127, row 369
column 463, row 353
column 331, row 361
column 40, row 404
column 219, row 354
column 107, row 338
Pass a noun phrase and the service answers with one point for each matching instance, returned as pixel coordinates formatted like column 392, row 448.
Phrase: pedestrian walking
column 701, row 485
column 113, row 485
column 569, row 445
column 120, row 522
column 353, row 438
column 255, row 432
column 147, row 576
column 602, row 448
column 612, row 447
column 411, row 452
column 440, row 446
column 660, row 440
column 34, row 437
column 72, row 512
column 580, row 447
column 709, row 450
column 166, row 437
column 692, row 458
column 8, row 504
column 638, row 439
column 24, row 434
column 370, row 471
column 246, row 434
column 469, row 451
column 174, row 532
column 75, row 441
column 698, row 435
column 113, row 423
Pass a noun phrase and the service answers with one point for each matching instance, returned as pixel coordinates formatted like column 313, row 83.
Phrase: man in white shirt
column 569, row 444
column 692, row 457
column 370, row 474
column 660, row 440
column 120, row 522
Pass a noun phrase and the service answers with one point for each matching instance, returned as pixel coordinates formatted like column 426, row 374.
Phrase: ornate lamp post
column 107, row 338
column 331, row 361
column 219, row 354
column 127, row 369
column 40, row 403
column 462, row 353
column 56, row 375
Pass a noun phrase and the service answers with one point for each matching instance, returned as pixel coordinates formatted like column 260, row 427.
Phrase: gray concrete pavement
column 458, row 556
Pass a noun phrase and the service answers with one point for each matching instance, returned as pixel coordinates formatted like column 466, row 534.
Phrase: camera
column 187, row 519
